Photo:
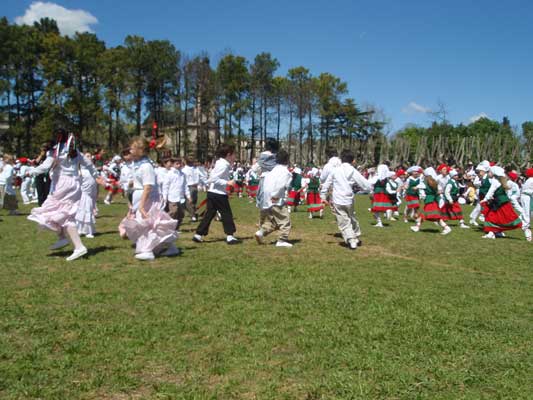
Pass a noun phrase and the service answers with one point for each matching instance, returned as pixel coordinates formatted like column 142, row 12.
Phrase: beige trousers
column 276, row 218
column 346, row 221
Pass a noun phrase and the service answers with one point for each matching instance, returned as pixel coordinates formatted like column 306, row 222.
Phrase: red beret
column 492, row 163
column 513, row 175
column 441, row 167
column 529, row 172
column 400, row 172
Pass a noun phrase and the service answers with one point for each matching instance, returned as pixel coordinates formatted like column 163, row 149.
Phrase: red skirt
column 412, row 201
column 113, row 186
column 431, row 212
column 294, row 198
column 503, row 219
column 452, row 211
column 314, row 203
column 382, row 202
column 238, row 187
column 230, row 189
column 252, row 190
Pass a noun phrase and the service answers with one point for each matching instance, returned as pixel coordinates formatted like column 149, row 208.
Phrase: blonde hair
column 431, row 182
column 8, row 158
column 140, row 142
column 504, row 181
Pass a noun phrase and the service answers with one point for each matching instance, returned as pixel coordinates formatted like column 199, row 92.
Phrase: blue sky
column 475, row 57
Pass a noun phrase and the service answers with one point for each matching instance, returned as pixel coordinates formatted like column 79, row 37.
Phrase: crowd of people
column 65, row 183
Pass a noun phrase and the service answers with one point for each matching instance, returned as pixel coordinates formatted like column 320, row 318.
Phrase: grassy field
column 406, row 316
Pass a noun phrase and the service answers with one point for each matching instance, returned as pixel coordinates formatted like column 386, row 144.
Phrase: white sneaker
column 473, row 223
column 528, row 235
column 406, row 221
column 310, row 216
column 392, row 219
column 77, row 254
column 379, row 225
column 59, row 244
column 230, row 239
column 321, row 214
column 463, row 226
column 107, row 202
column 172, row 251
column 446, row 230
column 147, row 256
column 415, row 228
column 197, row 238
column 352, row 244
column 282, row 243
column 489, row 235
column 89, row 236
column 259, row 236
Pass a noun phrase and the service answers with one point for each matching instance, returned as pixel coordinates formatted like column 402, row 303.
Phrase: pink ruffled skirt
column 152, row 233
column 60, row 208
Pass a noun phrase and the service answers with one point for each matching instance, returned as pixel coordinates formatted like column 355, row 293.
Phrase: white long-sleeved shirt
column 275, row 185
column 64, row 166
column 527, row 187
column 442, row 181
column 6, row 177
column 343, row 179
column 333, row 162
column 219, row 177
column 177, row 189
column 192, row 174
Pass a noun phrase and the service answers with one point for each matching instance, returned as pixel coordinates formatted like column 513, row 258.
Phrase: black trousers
column 217, row 202
column 42, row 184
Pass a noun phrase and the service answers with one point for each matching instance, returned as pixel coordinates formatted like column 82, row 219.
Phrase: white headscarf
column 383, row 172
column 483, row 166
column 452, row 173
column 497, row 171
column 430, row 172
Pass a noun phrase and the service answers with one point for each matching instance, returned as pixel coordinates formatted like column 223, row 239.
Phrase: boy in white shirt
column 217, row 198
column 273, row 208
column 177, row 192
column 343, row 179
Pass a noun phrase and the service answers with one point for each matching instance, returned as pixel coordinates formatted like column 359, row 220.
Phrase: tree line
column 108, row 94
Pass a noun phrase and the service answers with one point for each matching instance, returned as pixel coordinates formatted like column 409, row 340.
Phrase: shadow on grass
column 90, row 251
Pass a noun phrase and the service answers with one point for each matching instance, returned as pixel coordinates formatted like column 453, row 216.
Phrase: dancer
column 451, row 210
column 8, row 195
column 58, row 212
column 500, row 215
column 429, row 194
column 412, row 200
column 85, row 216
column 193, row 177
column 314, row 204
column 482, row 183
column 342, row 179
column 295, row 189
column 526, row 197
column 273, row 208
column 217, row 197
column 177, row 192
column 150, row 228
column 384, row 195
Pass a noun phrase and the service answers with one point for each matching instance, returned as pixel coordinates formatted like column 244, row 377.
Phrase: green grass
column 406, row 316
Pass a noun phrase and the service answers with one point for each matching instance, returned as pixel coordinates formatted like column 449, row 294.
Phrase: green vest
column 411, row 187
column 454, row 192
column 379, row 186
column 296, row 183
column 314, row 184
column 484, row 188
column 431, row 195
column 500, row 197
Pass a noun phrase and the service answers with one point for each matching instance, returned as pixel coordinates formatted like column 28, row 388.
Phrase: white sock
column 74, row 237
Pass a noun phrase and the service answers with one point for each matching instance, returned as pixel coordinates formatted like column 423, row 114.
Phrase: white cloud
column 68, row 21
column 474, row 118
column 413, row 107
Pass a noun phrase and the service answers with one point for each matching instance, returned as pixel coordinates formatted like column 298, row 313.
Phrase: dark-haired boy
column 273, row 208
column 217, row 198
column 342, row 180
